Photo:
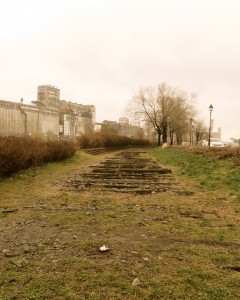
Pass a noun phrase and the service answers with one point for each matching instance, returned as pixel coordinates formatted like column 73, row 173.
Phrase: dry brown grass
column 17, row 153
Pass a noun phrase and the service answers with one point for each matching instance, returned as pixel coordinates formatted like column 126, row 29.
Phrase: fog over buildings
column 99, row 52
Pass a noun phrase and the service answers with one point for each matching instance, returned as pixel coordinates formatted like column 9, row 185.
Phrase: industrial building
column 48, row 116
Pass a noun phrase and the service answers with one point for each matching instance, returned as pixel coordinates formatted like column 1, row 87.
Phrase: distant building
column 122, row 128
column 48, row 96
column 76, row 119
column 48, row 117
column 123, row 121
column 217, row 134
column 21, row 119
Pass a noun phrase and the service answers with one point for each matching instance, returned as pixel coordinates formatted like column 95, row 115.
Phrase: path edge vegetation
column 19, row 153
column 211, row 169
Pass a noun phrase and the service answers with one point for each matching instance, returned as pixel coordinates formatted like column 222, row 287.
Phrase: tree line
column 167, row 112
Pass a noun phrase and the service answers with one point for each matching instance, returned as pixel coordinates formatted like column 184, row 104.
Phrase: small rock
column 136, row 282
column 164, row 222
column 18, row 264
column 7, row 253
column 4, row 251
column 146, row 258
column 27, row 249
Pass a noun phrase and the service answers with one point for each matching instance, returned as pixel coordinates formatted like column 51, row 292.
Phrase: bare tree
column 200, row 129
column 164, row 107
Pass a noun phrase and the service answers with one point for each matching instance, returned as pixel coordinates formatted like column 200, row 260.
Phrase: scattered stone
column 136, row 282
column 18, row 264
column 6, row 252
column 164, row 222
column 146, row 258
column 27, row 249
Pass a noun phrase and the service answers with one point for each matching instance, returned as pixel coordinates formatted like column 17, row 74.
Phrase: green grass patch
column 206, row 171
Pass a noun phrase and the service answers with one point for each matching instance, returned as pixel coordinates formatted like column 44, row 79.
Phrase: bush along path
column 19, row 153
column 71, row 237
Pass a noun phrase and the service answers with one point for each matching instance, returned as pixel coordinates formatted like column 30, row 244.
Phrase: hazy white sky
column 100, row 52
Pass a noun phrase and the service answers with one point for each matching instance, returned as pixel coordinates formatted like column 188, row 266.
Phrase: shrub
column 107, row 140
column 17, row 153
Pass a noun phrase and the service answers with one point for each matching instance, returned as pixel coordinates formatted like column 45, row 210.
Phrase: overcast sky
column 100, row 52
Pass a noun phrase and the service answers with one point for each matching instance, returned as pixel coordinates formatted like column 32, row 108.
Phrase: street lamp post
column 168, row 131
column 193, row 134
column 190, row 140
column 210, row 124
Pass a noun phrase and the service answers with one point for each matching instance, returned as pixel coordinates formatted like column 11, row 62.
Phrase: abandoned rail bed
column 129, row 171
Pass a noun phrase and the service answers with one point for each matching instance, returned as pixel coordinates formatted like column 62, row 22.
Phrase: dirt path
column 54, row 221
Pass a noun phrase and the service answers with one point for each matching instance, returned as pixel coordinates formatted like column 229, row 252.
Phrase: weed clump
column 17, row 153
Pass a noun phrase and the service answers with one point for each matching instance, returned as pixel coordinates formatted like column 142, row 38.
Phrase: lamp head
column 210, row 108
